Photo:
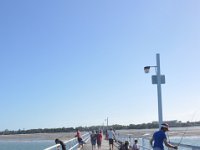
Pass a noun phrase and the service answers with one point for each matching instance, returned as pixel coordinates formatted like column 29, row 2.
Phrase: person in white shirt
column 111, row 137
column 135, row 145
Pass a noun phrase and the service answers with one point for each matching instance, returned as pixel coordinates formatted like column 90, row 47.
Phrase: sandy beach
column 38, row 136
column 187, row 131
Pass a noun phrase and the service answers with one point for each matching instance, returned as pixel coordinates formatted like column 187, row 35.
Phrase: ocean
column 42, row 144
column 25, row 145
column 192, row 140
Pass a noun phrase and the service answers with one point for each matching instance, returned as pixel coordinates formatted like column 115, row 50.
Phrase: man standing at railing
column 79, row 138
column 159, row 137
column 57, row 141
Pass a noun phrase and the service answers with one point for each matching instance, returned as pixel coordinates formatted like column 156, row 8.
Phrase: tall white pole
column 107, row 123
column 160, row 115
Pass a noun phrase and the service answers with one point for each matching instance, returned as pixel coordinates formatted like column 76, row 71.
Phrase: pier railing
column 144, row 142
column 71, row 144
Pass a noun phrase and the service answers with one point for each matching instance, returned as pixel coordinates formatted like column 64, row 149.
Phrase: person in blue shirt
column 159, row 137
column 93, row 138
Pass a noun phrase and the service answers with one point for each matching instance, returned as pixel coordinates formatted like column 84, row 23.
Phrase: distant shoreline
column 177, row 131
column 174, row 131
column 37, row 136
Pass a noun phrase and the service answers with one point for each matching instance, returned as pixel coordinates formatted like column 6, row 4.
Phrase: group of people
column 96, row 139
column 79, row 139
column 158, row 139
column 111, row 137
column 126, row 146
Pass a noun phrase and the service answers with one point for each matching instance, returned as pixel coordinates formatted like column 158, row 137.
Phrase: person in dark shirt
column 125, row 146
column 57, row 141
column 93, row 138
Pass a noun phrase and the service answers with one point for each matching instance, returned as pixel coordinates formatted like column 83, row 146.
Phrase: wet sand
column 186, row 131
column 38, row 136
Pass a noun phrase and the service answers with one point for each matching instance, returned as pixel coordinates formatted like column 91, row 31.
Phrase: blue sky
column 75, row 63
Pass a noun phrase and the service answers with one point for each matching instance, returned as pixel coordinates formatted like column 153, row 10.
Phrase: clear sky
column 72, row 63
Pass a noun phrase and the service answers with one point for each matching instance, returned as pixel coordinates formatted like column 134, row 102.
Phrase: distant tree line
column 151, row 125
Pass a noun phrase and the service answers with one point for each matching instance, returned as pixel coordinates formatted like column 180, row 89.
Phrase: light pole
column 157, row 79
column 107, row 122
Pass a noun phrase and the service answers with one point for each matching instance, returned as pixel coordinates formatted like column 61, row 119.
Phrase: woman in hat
column 159, row 137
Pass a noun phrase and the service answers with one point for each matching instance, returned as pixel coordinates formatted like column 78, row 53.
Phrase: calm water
column 40, row 145
column 25, row 145
column 190, row 140
column 193, row 140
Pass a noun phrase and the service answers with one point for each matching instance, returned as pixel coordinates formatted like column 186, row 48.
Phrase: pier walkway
column 143, row 142
column 73, row 144
column 104, row 146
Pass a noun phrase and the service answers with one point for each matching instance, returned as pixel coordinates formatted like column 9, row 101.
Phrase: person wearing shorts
column 111, row 137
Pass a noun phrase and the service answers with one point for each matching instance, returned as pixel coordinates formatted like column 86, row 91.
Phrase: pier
column 143, row 142
column 104, row 146
column 73, row 144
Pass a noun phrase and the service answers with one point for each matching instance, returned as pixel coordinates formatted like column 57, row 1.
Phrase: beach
column 37, row 136
column 40, row 141
column 179, row 131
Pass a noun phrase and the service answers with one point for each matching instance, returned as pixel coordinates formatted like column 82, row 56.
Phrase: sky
column 75, row 63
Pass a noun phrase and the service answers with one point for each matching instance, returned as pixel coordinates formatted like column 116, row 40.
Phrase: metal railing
column 71, row 144
column 144, row 143
column 187, row 146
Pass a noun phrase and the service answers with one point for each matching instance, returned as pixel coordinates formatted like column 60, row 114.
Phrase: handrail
column 70, row 144
column 187, row 146
column 145, row 144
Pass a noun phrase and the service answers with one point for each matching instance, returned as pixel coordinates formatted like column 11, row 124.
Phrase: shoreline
column 37, row 137
column 187, row 131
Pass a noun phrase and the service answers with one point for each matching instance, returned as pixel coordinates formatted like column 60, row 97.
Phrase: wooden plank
column 104, row 146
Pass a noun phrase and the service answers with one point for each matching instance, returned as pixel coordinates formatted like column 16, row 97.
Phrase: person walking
column 159, row 137
column 111, row 137
column 93, row 138
column 99, row 139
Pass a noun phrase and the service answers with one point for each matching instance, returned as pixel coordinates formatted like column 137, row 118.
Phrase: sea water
column 191, row 140
column 42, row 144
column 25, row 145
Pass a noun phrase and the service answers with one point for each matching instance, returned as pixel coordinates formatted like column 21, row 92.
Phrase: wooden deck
column 104, row 146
